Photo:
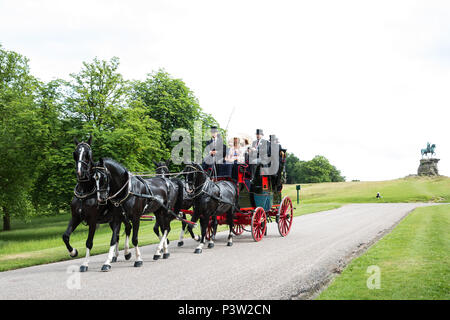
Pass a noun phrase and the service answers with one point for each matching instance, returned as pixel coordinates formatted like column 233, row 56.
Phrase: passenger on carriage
column 234, row 158
column 235, row 152
column 258, row 152
column 216, row 152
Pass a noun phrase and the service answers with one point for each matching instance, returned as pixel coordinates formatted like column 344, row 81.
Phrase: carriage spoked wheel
column 238, row 229
column 259, row 224
column 285, row 216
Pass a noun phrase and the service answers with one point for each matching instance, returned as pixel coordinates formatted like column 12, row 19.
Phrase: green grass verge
column 39, row 241
column 414, row 261
column 411, row 189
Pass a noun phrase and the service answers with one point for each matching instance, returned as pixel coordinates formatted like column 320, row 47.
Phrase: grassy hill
column 410, row 189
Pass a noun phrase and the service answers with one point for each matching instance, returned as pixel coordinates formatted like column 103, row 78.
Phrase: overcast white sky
column 364, row 83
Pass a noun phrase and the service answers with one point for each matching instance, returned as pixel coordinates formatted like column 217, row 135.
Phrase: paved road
column 275, row 268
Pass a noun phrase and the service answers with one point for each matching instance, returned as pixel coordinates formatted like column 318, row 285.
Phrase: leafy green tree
column 95, row 101
column 130, row 122
column 171, row 103
column 316, row 170
column 55, row 170
column 292, row 169
column 21, row 135
column 97, row 92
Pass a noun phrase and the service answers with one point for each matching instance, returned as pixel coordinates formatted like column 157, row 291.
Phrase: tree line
column 131, row 121
column 316, row 170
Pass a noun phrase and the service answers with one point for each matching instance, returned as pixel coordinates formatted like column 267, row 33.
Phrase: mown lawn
column 414, row 261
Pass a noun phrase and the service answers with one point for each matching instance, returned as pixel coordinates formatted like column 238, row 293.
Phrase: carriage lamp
column 298, row 193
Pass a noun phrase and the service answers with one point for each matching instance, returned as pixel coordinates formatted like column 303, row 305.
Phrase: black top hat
column 214, row 129
column 259, row 131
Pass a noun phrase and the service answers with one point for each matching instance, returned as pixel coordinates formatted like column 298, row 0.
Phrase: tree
column 95, row 101
column 130, row 122
column 21, row 135
column 316, row 170
column 171, row 103
column 292, row 169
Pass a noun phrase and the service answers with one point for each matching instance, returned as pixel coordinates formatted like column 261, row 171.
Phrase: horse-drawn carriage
column 260, row 202
column 106, row 192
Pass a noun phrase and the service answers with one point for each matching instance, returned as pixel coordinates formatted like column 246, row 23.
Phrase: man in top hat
column 216, row 150
column 259, row 152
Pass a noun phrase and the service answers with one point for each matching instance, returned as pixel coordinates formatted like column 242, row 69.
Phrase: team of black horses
column 106, row 192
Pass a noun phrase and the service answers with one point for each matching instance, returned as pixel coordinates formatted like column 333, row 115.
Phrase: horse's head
column 83, row 159
column 162, row 167
column 102, row 184
column 194, row 175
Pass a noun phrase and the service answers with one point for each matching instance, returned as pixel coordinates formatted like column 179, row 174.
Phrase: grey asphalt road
column 274, row 268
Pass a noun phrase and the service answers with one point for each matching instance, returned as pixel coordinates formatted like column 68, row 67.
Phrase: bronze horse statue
column 429, row 149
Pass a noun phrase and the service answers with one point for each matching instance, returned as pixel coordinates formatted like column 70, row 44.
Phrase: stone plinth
column 428, row 167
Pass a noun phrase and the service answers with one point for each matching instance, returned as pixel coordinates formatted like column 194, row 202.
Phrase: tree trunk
column 6, row 220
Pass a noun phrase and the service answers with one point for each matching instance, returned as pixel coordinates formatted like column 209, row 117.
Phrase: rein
column 83, row 196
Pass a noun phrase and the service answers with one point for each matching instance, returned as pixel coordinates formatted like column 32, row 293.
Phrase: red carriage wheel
column 259, row 224
column 238, row 229
column 285, row 216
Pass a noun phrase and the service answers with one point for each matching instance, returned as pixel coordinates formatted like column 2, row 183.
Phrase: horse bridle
column 98, row 171
column 164, row 172
column 105, row 172
column 84, row 163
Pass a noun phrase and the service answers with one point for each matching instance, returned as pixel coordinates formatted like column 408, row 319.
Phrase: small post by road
column 298, row 193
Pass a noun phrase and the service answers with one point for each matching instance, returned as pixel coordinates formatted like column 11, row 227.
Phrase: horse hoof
column 229, row 244
column 106, row 267
column 114, row 259
column 83, row 268
column 166, row 255
column 74, row 254
column 180, row 243
column 198, row 250
column 138, row 264
column 156, row 257
column 128, row 256
column 210, row 245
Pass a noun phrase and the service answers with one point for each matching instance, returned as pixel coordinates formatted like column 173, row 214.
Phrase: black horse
column 162, row 169
column 136, row 196
column 210, row 200
column 85, row 206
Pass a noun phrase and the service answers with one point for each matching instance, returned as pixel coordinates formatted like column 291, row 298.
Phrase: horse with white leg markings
column 136, row 196
column 85, row 205
column 162, row 169
column 210, row 200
